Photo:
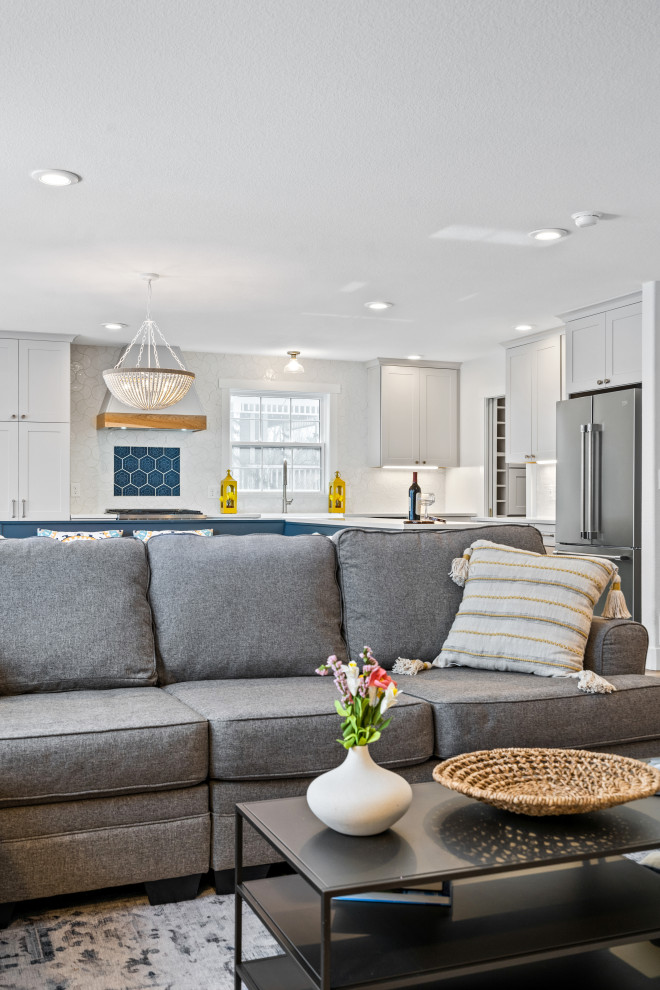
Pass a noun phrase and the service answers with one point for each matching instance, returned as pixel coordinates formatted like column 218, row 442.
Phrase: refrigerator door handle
column 583, row 485
column 596, row 429
column 590, row 481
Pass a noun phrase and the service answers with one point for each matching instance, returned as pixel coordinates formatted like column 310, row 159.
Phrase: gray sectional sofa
column 145, row 690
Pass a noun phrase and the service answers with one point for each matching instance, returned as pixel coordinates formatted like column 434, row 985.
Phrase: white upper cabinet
column 623, row 341
column 438, row 416
column 8, row 380
column 604, row 349
column 533, row 389
column 400, row 415
column 44, row 381
column 35, row 380
column 413, row 416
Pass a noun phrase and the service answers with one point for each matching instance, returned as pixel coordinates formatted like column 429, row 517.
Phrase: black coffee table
column 523, row 890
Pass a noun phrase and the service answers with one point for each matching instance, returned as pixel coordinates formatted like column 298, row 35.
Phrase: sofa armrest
column 616, row 646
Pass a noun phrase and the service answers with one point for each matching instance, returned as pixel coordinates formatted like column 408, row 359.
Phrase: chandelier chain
column 146, row 335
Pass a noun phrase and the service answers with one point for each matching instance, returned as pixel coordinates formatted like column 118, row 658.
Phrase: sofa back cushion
column 397, row 595
column 244, row 606
column 74, row 615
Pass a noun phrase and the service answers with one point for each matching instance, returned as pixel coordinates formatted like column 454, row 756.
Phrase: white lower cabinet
column 9, row 471
column 34, row 470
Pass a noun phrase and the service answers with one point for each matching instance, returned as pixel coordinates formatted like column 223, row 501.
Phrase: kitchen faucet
column 286, row 502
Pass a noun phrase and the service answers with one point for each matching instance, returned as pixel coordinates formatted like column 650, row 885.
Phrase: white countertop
column 454, row 521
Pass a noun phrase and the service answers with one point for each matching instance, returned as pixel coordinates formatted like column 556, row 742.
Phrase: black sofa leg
column 171, row 891
column 6, row 914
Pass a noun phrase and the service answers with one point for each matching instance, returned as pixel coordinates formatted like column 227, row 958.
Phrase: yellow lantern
column 228, row 494
column 337, row 495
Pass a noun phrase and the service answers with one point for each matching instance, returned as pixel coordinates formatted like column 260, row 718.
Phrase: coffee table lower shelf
column 504, row 921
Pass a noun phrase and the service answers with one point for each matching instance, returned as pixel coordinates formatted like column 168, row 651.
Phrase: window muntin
column 267, row 429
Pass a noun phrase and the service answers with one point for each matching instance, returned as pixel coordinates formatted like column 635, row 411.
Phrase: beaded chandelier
column 148, row 387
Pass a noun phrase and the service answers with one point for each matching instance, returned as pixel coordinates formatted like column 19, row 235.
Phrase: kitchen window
column 267, row 429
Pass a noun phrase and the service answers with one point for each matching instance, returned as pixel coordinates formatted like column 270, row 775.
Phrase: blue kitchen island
column 292, row 524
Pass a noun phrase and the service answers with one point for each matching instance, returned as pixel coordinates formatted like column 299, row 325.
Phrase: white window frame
column 325, row 392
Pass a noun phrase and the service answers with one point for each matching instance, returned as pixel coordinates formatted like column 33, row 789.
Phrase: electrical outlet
column 214, row 491
column 75, row 489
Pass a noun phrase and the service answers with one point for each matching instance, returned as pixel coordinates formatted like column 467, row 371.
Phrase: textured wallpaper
column 204, row 462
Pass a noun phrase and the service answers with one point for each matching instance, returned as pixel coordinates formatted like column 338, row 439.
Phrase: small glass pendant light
column 294, row 367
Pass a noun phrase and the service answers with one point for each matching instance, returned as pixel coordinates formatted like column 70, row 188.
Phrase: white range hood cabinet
column 187, row 414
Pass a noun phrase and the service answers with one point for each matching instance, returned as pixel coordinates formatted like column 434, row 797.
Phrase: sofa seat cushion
column 74, row 616
column 479, row 709
column 244, row 606
column 397, row 594
column 78, row 744
column 288, row 727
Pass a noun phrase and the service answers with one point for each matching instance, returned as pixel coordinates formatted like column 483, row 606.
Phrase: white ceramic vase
column 359, row 797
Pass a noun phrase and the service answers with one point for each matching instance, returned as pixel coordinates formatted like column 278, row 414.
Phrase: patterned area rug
column 114, row 940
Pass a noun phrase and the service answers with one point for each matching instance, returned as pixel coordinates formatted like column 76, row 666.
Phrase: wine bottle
column 413, row 492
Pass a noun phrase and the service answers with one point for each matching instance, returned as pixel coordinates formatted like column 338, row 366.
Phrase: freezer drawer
column 629, row 563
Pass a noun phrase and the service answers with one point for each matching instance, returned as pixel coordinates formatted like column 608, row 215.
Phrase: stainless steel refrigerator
column 599, row 483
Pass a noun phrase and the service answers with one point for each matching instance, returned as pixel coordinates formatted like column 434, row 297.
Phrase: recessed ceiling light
column 114, row 326
column 522, row 327
column 414, row 357
column 55, row 177
column 548, row 234
column 378, row 304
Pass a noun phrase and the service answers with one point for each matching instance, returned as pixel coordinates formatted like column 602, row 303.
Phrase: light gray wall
column 204, row 462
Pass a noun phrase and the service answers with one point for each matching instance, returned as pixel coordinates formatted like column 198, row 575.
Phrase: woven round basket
column 548, row 781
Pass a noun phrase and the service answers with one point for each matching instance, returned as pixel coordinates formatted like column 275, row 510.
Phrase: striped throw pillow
column 525, row 611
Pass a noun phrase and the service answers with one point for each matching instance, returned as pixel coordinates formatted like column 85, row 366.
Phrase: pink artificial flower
column 379, row 678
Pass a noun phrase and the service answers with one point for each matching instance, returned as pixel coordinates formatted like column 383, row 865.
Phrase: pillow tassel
column 403, row 665
column 592, row 683
column 615, row 603
column 460, row 568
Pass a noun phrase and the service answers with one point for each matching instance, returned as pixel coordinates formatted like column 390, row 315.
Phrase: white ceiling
column 262, row 155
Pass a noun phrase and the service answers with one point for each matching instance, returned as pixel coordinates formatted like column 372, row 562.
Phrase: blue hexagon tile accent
column 147, row 471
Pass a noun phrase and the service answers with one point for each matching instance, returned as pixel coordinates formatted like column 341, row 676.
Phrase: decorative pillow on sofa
column 74, row 616
column 146, row 534
column 525, row 611
column 67, row 536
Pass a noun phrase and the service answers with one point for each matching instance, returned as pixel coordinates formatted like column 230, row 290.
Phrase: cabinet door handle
column 606, row 381
column 23, row 416
column 423, row 462
column 599, row 382
column 13, row 415
column 23, row 501
column 13, row 508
